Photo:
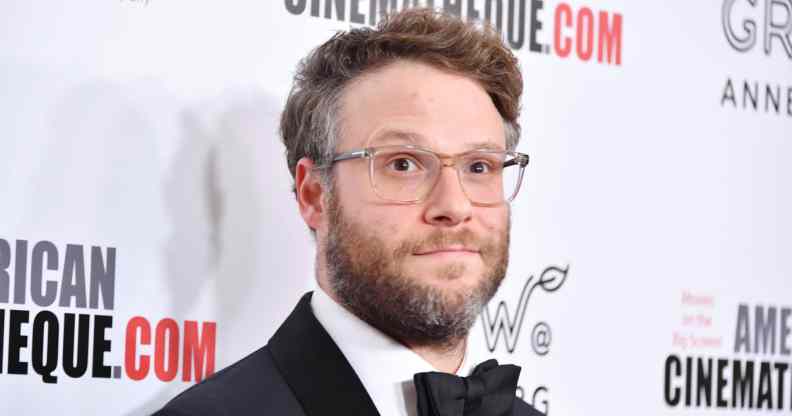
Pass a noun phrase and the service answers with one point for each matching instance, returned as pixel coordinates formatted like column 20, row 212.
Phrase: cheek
column 394, row 223
column 354, row 186
column 494, row 219
column 390, row 224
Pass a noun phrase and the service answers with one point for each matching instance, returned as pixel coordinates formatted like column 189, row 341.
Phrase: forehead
column 409, row 102
column 394, row 134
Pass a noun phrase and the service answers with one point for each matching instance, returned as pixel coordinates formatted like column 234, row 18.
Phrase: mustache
column 440, row 239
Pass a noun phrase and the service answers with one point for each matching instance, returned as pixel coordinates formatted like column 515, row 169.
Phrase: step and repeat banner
column 149, row 237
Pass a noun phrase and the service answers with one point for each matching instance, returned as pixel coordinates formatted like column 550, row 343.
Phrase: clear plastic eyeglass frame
column 443, row 160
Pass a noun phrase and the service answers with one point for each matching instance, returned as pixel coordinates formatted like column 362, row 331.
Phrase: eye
column 403, row 164
column 480, row 166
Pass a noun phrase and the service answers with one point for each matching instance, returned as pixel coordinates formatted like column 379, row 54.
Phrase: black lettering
column 73, row 281
column 17, row 341
column 315, row 8
column 672, row 396
column 2, row 337
column 765, row 398
column 770, row 97
column 498, row 23
column 472, row 13
column 764, row 329
column 704, row 382
column 744, row 381
column 536, row 25
column 749, row 94
column 40, row 250
column 453, row 7
column 295, row 6
column 728, row 95
column 70, row 367
column 516, row 35
column 785, row 331
column 103, row 277
column 41, row 365
column 720, row 401
column 354, row 13
column 688, row 380
column 781, row 368
column 101, row 345
column 789, row 101
column 340, row 8
column 5, row 278
column 406, row 4
column 20, row 271
column 384, row 7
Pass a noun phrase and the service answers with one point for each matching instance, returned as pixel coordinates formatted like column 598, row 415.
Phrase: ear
column 308, row 187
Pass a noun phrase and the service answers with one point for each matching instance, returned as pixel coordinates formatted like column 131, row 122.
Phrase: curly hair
column 309, row 124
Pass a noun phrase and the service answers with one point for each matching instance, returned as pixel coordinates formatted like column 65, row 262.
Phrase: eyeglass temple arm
column 355, row 154
column 520, row 159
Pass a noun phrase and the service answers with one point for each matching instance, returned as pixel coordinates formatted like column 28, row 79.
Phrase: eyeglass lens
column 408, row 175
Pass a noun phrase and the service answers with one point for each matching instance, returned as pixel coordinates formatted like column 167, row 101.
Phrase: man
column 408, row 252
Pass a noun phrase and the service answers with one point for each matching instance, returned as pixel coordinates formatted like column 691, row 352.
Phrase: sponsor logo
column 753, row 376
column 538, row 399
column 507, row 324
column 508, row 327
column 757, row 96
column 567, row 32
column 43, row 283
column 764, row 25
column 745, row 21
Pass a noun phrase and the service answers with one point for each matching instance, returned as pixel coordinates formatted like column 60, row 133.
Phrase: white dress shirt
column 384, row 366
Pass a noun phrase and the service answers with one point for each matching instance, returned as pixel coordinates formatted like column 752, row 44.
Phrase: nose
column 448, row 205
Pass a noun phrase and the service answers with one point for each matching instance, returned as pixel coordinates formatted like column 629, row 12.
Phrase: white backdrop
column 656, row 203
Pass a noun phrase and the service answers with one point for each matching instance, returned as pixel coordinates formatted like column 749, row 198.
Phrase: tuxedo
column 300, row 372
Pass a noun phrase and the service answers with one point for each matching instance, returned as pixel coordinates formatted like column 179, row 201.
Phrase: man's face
column 419, row 272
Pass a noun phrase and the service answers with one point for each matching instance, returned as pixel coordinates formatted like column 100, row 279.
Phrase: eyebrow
column 405, row 135
column 419, row 139
column 484, row 146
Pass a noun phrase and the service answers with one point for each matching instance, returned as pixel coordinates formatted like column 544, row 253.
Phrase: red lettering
column 130, row 354
column 610, row 35
column 585, row 34
column 166, row 367
column 199, row 352
column 563, row 44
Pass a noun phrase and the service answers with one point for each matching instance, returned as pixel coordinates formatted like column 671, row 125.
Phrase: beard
column 369, row 280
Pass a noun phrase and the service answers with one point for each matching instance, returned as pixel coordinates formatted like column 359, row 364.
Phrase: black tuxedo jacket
column 301, row 372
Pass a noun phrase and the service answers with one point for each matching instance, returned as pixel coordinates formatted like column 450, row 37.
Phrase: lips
column 447, row 250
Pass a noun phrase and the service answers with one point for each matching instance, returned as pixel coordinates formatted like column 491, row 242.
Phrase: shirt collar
column 384, row 366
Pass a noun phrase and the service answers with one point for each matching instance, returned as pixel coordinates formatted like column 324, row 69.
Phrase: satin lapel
column 315, row 369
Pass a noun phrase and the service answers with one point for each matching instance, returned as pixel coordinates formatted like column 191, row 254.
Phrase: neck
column 446, row 358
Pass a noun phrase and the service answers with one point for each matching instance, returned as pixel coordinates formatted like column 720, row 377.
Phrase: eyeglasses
column 407, row 174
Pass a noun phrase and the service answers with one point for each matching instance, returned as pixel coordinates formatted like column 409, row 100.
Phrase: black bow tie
column 488, row 391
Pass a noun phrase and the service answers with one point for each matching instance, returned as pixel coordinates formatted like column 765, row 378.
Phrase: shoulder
column 521, row 408
column 247, row 386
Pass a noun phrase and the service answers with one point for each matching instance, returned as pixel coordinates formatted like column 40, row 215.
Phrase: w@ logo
column 510, row 325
